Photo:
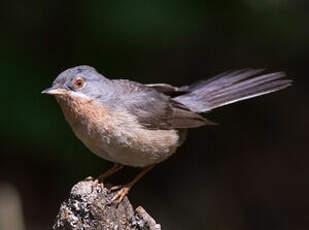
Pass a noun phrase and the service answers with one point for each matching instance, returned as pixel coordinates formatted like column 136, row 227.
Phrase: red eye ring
column 79, row 83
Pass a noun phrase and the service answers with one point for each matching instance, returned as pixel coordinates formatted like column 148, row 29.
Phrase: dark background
column 250, row 172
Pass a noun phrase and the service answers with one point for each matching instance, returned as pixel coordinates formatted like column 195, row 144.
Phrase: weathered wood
column 88, row 208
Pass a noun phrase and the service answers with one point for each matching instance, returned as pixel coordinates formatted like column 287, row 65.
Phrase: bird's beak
column 53, row 91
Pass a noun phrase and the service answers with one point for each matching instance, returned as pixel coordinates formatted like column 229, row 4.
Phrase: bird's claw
column 124, row 189
column 116, row 187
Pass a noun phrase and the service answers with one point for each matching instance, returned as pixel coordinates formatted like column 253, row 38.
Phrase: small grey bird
column 140, row 125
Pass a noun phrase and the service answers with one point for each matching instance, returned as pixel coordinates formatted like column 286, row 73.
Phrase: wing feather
column 156, row 110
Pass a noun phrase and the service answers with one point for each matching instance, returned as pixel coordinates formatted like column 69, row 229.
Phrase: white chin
column 78, row 94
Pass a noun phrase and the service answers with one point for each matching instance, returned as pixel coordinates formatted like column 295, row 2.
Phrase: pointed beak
column 53, row 91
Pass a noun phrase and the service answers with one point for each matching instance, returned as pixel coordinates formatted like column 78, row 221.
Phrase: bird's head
column 78, row 82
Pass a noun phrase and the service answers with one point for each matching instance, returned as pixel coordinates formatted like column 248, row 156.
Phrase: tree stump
column 88, row 208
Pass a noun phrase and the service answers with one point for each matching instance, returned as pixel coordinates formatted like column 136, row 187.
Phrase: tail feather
column 222, row 80
column 231, row 87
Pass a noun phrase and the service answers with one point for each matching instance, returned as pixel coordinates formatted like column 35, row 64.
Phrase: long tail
column 230, row 87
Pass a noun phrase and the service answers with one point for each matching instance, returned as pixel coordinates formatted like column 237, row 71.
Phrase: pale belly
column 138, row 148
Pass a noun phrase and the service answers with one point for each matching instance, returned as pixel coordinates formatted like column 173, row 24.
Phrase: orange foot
column 124, row 189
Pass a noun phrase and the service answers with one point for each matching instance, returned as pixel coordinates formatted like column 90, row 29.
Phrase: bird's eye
column 79, row 83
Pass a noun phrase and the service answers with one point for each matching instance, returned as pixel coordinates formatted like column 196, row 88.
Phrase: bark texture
column 88, row 208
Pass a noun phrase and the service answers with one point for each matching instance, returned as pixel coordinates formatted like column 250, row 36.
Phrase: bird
column 141, row 125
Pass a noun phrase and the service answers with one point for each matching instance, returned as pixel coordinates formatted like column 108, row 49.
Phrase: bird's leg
column 111, row 171
column 124, row 189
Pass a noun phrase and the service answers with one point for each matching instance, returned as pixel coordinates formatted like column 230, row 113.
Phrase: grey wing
column 155, row 110
column 169, row 89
